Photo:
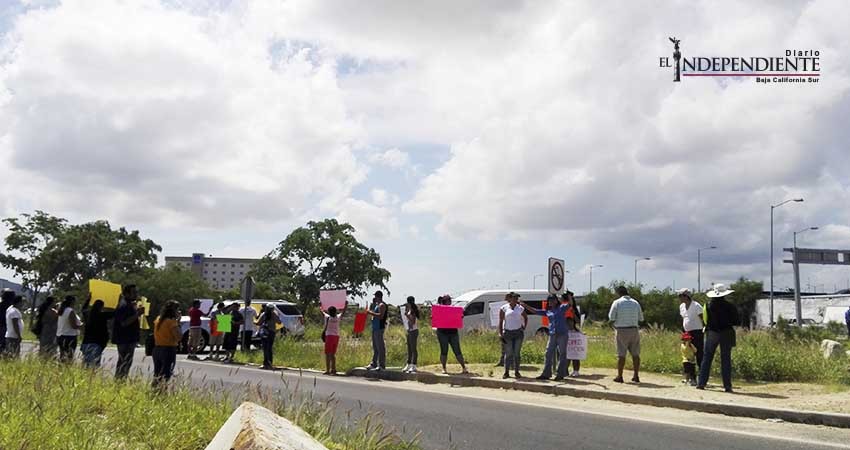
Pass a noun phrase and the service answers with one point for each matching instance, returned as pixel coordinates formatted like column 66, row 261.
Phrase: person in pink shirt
column 331, row 337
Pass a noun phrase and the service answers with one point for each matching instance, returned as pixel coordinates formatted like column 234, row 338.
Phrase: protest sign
column 577, row 346
column 206, row 305
column 225, row 323
column 106, row 291
column 495, row 308
column 335, row 298
column 359, row 322
column 445, row 316
column 144, row 303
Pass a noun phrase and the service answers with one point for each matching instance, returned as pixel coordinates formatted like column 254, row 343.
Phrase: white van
column 479, row 305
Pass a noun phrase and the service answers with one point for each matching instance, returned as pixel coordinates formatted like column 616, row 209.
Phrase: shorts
column 194, row 337
column 217, row 339
column 628, row 340
column 331, row 344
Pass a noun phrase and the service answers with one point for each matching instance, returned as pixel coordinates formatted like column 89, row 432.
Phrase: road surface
column 475, row 419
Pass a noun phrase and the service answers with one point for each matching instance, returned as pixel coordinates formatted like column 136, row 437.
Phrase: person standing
column 249, row 315
column 512, row 322
column 449, row 337
column 689, row 352
column 46, row 321
column 626, row 315
column 166, row 336
column 692, row 321
column 573, row 316
column 378, row 312
column 411, row 313
column 6, row 300
column 216, row 337
column 195, row 321
column 126, row 327
column 95, row 335
column 231, row 338
column 558, row 336
column 266, row 329
column 847, row 320
column 720, row 332
column 14, row 328
column 67, row 329
column 331, row 338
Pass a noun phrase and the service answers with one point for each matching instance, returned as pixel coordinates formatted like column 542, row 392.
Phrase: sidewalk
column 792, row 402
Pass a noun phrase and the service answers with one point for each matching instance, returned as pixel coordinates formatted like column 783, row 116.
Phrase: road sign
column 820, row 256
column 248, row 288
column 556, row 276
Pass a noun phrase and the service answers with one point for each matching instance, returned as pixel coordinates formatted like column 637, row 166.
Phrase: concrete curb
column 755, row 412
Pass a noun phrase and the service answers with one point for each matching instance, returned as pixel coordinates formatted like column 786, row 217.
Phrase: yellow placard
column 106, row 291
column 259, row 309
column 143, row 301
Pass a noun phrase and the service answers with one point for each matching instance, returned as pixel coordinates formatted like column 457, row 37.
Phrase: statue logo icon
column 677, row 55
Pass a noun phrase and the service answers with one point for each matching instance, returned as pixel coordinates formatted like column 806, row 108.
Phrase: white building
column 219, row 273
column 819, row 308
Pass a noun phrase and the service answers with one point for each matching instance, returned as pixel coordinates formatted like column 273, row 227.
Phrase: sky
column 467, row 142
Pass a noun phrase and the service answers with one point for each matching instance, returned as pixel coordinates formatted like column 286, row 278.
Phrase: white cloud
column 371, row 221
column 393, row 158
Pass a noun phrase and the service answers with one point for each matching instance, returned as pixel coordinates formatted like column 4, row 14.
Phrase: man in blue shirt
column 557, row 315
column 847, row 320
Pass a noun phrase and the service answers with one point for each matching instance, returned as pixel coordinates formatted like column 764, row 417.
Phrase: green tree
column 747, row 292
column 162, row 284
column 322, row 255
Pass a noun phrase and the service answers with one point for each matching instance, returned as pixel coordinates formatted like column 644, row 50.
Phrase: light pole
column 699, row 264
column 509, row 283
column 534, row 280
column 801, row 232
column 636, row 262
column 772, row 207
column 591, row 275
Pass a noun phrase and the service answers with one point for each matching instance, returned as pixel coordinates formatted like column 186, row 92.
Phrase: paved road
column 455, row 418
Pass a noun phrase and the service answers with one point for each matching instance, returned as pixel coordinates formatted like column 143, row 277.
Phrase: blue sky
column 466, row 141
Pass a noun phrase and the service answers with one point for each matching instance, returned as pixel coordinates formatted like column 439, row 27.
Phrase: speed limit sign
column 556, row 276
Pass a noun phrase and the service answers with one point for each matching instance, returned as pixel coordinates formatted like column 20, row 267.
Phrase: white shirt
column 513, row 317
column 13, row 313
column 406, row 321
column 625, row 312
column 64, row 328
column 690, row 316
column 250, row 314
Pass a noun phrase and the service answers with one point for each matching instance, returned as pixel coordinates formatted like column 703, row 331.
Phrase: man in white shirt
column 626, row 314
column 14, row 328
column 692, row 321
column 250, row 315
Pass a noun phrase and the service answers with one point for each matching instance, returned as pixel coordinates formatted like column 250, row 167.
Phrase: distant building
column 219, row 273
column 816, row 309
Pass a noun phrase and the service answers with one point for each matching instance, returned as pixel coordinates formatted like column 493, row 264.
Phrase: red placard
column 359, row 322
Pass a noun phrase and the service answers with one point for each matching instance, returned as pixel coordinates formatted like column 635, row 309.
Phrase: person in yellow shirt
column 689, row 359
column 166, row 338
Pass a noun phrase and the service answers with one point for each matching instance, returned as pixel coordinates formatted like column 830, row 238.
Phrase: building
column 816, row 309
column 219, row 273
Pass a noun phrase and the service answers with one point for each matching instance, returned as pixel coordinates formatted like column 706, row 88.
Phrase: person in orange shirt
column 573, row 323
column 166, row 338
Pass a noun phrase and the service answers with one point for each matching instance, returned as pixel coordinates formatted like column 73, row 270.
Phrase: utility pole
column 772, row 207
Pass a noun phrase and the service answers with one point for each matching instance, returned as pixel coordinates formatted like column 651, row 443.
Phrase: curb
column 755, row 412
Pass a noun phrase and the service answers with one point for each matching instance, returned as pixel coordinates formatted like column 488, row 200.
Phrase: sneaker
column 702, row 388
column 692, row 383
column 618, row 380
column 445, row 372
column 729, row 390
column 635, row 379
column 505, row 376
column 541, row 377
column 517, row 375
column 412, row 368
column 559, row 378
column 371, row 367
column 574, row 374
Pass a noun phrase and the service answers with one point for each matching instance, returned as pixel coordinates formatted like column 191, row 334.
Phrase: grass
column 759, row 355
column 45, row 405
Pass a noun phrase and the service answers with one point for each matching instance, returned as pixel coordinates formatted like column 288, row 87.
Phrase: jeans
column 268, row 349
column 246, row 340
column 513, row 348
column 447, row 339
column 164, row 359
column 125, row 360
column 412, row 348
column 91, row 354
column 379, row 349
column 557, row 342
column 713, row 339
column 67, row 347
column 698, row 339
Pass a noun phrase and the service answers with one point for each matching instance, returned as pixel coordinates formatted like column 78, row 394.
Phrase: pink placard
column 443, row 316
column 335, row 298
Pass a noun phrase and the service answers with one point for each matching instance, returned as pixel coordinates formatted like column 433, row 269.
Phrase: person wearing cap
column 558, row 335
column 720, row 332
column 689, row 352
column 626, row 315
column 692, row 321
column 512, row 322
column 378, row 311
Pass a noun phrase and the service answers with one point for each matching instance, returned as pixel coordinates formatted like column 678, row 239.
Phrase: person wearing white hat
column 721, row 318
column 692, row 321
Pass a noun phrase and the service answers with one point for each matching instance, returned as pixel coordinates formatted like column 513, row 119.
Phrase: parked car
column 291, row 319
column 478, row 306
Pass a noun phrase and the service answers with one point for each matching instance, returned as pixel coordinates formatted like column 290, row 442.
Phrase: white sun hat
column 684, row 291
column 719, row 290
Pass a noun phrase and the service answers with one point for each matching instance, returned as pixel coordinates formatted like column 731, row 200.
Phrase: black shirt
column 125, row 334
column 96, row 331
column 722, row 315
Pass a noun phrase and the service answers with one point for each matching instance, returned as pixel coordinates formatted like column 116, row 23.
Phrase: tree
column 322, row 255
column 159, row 285
column 747, row 292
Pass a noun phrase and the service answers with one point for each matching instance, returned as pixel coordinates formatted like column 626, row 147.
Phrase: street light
column 591, row 275
column 509, row 283
column 801, row 232
column 636, row 262
column 699, row 264
column 772, row 207
column 534, row 280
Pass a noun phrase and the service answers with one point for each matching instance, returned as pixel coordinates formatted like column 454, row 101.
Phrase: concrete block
column 252, row 427
column 831, row 349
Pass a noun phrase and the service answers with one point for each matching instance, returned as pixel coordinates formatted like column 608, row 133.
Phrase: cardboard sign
column 577, row 346
column 359, row 322
column 444, row 316
column 144, row 303
column 335, row 298
column 106, row 291
column 225, row 323
column 206, row 305
column 495, row 307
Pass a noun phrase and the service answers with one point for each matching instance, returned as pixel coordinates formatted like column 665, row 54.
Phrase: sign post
column 248, row 288
column 829, row 257
column 556, row 276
